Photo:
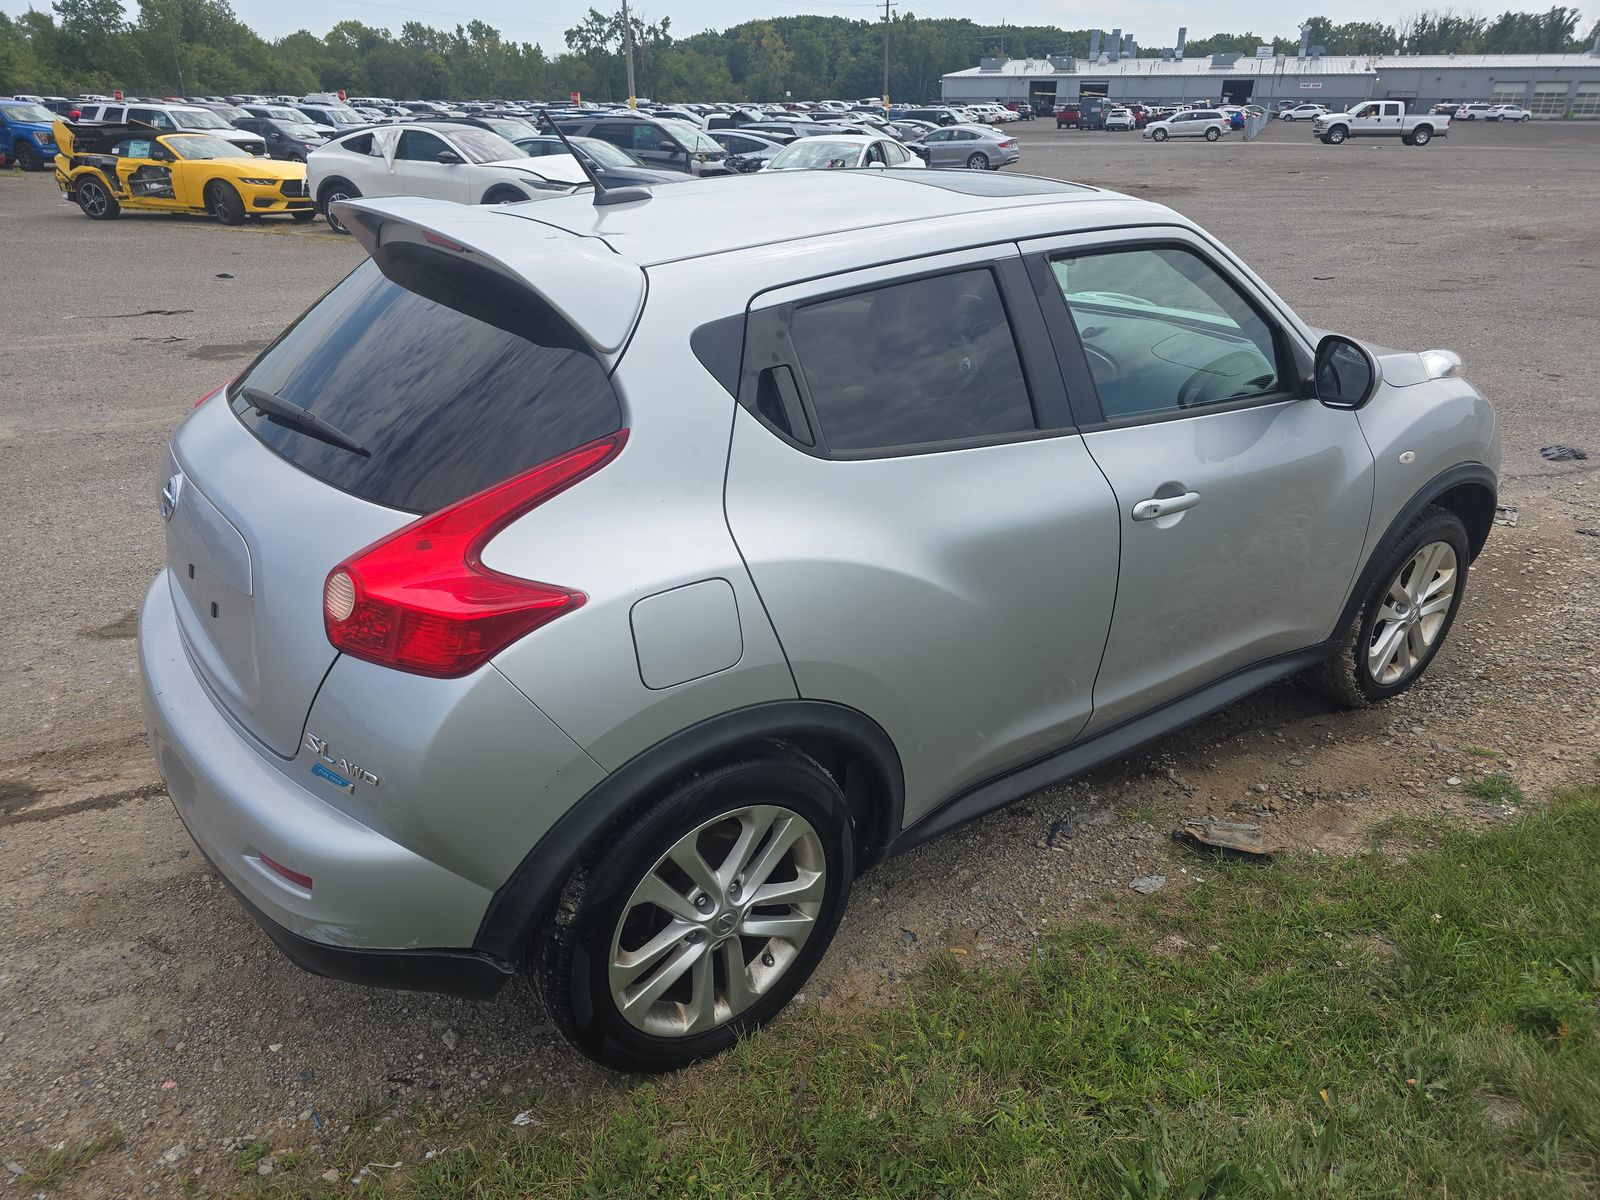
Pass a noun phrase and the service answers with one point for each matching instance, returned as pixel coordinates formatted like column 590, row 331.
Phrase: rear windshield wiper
column 276, row 408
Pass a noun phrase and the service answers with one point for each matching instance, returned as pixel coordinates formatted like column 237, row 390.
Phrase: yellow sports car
column 107, row 168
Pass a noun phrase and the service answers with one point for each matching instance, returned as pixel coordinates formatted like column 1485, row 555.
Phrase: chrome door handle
column 1149, row 510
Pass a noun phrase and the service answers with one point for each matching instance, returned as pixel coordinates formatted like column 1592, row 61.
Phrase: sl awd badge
column 340, row 772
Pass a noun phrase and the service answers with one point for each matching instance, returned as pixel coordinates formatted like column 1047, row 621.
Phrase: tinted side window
column 617, row 133
column 930, row 360
column 418, row 145
column 1164, row 332
column 451, row 375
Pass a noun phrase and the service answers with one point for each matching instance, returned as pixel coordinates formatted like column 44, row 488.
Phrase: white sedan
column 843, row 152
column 437, row 159
column 1508, row 112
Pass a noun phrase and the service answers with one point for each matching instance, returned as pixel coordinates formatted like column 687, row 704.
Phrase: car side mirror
column 1345, row 375
column 449, row 158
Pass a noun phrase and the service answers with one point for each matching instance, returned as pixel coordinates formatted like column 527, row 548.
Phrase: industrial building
column 1548, row 85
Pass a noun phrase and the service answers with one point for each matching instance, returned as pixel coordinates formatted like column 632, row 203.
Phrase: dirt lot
column 141, row 1000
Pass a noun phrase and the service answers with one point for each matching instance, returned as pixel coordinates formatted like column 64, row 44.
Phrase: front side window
column 151, row 116
column 925, row 361
column 417, row 145
column 649, row 137
column 1163, row 332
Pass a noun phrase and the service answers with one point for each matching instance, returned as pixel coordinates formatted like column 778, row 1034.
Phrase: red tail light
column 421, row 600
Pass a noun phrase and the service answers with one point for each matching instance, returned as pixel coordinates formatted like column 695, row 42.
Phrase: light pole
column 627, row 50
column 886, row 6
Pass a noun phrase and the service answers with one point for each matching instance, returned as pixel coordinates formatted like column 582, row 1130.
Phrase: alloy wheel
column 92, row 199
column 717, row 921
column 1413, row 613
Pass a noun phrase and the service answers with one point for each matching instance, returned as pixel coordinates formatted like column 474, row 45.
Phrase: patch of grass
column 67, row 1159
column 1483, row 752
column 248, row 1157
column 1498, row 789
column 1280, row 1056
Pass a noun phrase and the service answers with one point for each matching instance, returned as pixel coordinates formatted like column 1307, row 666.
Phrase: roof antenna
column 602, row 194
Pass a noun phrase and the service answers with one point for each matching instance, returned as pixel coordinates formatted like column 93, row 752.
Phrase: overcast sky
column 543, row 22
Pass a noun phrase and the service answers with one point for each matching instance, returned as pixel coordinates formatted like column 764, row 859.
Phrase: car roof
column 852, row 139
column 716, row 216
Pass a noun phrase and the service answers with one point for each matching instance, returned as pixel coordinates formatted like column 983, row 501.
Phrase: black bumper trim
column 467, row 973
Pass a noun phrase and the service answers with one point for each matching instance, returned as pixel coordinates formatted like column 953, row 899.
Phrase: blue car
column 25, row 133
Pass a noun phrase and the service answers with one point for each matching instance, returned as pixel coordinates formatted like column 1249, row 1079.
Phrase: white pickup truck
column 1380, row 118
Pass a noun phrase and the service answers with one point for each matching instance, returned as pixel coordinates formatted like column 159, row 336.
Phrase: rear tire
column 1213, row 134
column 1421, row 136
column 332, row 191
column 223, row 203
column 977, row 162
column 630, row 893
column 96, row 200
column 1349, row 676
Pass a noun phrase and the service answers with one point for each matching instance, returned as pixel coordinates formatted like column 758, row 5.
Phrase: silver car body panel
column 1262, row 564
column 649, row 522
column 261, row 650
column 238, row 804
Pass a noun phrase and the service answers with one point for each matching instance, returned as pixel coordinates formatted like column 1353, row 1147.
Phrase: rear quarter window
column 910, row 364
column 452, row 376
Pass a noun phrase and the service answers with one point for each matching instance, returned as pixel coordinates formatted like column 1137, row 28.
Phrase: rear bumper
column 375, row 913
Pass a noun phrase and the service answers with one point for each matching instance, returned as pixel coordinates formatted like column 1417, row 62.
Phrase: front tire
column 96, row 200
column 1406, row 615
column 223, row 203
column 1160, row 135
column 1336, row 135
column 29, row 157
column 661, row 950
column 977, row 162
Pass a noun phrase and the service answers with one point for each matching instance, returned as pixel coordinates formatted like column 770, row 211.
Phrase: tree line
column 189, row 47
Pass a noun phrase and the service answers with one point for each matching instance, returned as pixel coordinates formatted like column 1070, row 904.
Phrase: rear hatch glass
column 451, row 376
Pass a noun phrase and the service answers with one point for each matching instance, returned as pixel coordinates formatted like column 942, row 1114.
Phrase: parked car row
column 143, row 156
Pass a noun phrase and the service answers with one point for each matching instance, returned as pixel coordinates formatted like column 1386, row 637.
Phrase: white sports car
column 438, row 159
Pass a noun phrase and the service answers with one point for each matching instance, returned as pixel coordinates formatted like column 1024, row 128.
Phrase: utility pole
column 886, row 4
column 627, row 50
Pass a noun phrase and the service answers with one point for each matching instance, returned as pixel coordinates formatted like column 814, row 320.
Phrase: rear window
column 451, row 376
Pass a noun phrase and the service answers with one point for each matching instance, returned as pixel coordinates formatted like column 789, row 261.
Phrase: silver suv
column 600, row 588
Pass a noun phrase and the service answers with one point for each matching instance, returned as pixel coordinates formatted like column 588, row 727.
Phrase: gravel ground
column 141, row 1000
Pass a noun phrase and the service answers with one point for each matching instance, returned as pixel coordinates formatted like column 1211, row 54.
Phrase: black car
column 670, row 145
column 290, row 141
column 615, row 166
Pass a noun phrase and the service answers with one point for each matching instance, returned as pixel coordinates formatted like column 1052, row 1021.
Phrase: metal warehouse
column 1549, row 85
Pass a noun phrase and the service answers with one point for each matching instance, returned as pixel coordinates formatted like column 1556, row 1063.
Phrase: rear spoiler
column 595, row 289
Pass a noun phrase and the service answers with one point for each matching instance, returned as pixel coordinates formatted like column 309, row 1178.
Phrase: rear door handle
column 1149, row 510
